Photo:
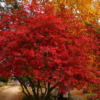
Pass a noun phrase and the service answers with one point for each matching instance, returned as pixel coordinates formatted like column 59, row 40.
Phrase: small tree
column 46, row 47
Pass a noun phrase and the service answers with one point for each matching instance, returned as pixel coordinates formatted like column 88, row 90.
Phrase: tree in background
column 85, row 9
column 9, row 5
column 93, row 29
column 5, row 80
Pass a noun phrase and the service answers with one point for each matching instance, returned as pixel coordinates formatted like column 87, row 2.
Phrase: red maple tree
column 46, row 48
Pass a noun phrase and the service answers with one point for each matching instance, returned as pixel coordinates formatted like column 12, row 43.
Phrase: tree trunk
column 69, row 95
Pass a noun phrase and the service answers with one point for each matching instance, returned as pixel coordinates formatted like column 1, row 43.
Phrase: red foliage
column 41, row 44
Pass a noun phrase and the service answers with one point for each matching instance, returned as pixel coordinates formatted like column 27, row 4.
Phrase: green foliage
column 95, row 19
column 3, row 79
column 88, row 22
column 97, row 30
column 24, row 78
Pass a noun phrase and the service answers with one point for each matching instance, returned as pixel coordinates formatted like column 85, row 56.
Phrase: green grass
column 91, row 95
column 1, row 85
column 4, row 84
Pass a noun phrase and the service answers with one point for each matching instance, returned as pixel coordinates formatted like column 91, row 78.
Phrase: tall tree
column 46, row 47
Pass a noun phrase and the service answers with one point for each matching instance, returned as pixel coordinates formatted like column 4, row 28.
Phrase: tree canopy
column 48, row 46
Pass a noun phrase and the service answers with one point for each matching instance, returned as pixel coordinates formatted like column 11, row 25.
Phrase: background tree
column 86, row 9
column 93, row 28
column 5, row 80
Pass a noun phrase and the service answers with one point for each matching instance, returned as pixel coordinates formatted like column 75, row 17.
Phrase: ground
column 13, row 92
column 78, row 94
column 10, row 92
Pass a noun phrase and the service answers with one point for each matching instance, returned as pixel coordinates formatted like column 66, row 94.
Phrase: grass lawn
column 91, row 96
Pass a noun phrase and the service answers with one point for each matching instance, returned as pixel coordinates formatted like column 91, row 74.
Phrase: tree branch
column 22, row 87
column 32, row 86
